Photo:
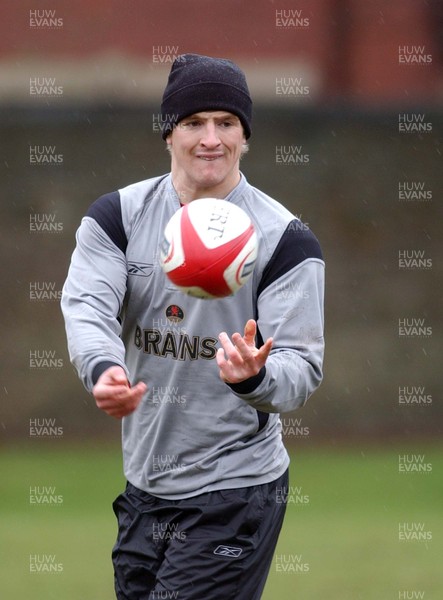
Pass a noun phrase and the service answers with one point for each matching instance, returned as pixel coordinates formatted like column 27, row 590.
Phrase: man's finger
column 106, row 390
column 228, row 346
column 250, row 331
column 116, row 407
column 117, row 375
column 139, row 388
column 220, row 358
column 265, row 349
column 243, row 349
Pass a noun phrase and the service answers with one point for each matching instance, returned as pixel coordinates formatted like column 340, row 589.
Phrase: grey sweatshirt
column 193, row 433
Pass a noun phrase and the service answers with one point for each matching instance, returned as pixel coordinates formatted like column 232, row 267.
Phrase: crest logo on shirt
column 174, row 313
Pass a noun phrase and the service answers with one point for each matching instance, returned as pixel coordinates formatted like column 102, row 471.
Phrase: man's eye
column 227, row 124
column 191, row 124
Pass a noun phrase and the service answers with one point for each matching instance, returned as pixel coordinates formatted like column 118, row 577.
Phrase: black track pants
column 215, row 546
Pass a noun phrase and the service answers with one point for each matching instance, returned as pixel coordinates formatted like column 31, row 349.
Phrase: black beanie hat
column 198, row 83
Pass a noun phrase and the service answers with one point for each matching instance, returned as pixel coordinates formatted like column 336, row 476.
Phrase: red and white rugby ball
column 209, row 248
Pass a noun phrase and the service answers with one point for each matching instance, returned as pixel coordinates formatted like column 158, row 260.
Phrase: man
column 200, row 401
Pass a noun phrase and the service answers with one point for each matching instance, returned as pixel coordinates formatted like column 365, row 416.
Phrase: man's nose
column 210, row 135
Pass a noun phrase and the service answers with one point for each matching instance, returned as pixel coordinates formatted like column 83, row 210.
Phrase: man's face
column 205, row 152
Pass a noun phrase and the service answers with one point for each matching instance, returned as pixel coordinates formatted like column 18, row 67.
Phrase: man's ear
column 168, row 141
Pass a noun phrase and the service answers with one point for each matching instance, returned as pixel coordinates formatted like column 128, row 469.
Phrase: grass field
column 340, row 539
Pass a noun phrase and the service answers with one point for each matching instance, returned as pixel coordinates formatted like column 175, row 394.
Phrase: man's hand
column 114, row 395
column 240, row 359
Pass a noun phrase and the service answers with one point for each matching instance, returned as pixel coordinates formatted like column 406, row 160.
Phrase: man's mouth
column 209, row 157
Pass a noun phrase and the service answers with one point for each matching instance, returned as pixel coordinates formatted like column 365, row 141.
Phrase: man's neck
column 187, row 193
